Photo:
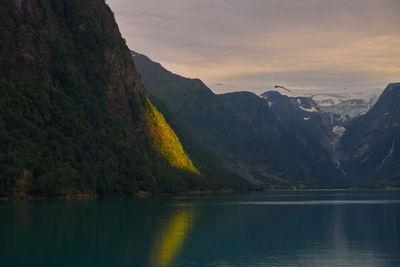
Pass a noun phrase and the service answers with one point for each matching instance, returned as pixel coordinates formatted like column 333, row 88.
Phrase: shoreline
column 144, row 194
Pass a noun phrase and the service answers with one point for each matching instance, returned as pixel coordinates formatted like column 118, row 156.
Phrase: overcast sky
column 255, row 44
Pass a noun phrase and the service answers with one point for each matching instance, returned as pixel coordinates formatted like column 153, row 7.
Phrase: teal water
column 280, row 228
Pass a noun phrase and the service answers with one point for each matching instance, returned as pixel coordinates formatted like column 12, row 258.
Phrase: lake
column 275, row 228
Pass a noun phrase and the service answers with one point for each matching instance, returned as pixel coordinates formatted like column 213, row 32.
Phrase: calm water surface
column 280, row 228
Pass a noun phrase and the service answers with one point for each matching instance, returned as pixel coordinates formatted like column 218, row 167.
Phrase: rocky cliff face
column 253, row 110
column 74, row 116
column 370, row 146
column 314, row 133
column 302, row 116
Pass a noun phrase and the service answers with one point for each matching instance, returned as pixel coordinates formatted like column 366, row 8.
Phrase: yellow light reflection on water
column 170, row 241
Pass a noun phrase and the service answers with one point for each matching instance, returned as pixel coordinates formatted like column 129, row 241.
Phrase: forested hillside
column 74, row 118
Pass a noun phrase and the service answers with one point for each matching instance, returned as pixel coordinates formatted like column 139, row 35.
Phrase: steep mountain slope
column 239, row 128
column 303, row 116
column 293, row 126
column 371, row 143
column 317, row 132
column 253, row 110
column 200, row 112
column 218, row 177
column 74, row 118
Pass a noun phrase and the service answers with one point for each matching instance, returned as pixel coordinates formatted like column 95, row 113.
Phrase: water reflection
column 168, row 243
column 341, row 228
column 298, row 229
column 22, row 214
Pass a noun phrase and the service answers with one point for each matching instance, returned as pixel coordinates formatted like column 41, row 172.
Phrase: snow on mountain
column 347, row 104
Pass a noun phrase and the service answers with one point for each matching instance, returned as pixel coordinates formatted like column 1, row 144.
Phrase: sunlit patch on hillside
column 166, row 141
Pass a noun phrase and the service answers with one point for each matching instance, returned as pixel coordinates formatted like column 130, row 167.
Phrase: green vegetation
column 166, row 141
column 74, row 118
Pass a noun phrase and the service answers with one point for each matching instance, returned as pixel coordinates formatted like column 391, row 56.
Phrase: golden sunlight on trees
column 166, row 141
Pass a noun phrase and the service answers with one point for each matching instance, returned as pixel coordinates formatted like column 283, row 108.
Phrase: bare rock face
column 316, row 132
column 371, row 143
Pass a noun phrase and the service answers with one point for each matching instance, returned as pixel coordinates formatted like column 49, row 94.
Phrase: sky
column 252, row 45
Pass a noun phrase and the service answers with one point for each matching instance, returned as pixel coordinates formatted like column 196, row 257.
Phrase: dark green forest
column 74, row 118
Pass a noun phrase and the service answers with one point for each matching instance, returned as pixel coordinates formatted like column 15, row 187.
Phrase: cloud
column 250, row 44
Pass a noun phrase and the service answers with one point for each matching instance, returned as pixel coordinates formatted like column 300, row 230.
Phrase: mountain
column 74, row 118
column 239, row 128
column 314, row 132
column 362, row 151
column 348, row 105
column 252, row 110
column 302, row 113
column 371, row 144
column 202, row 115
column 345, row 103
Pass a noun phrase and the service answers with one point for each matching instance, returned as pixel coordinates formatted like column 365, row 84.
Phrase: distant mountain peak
column 370, row 142
column 346, row 104
column 391, row 87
